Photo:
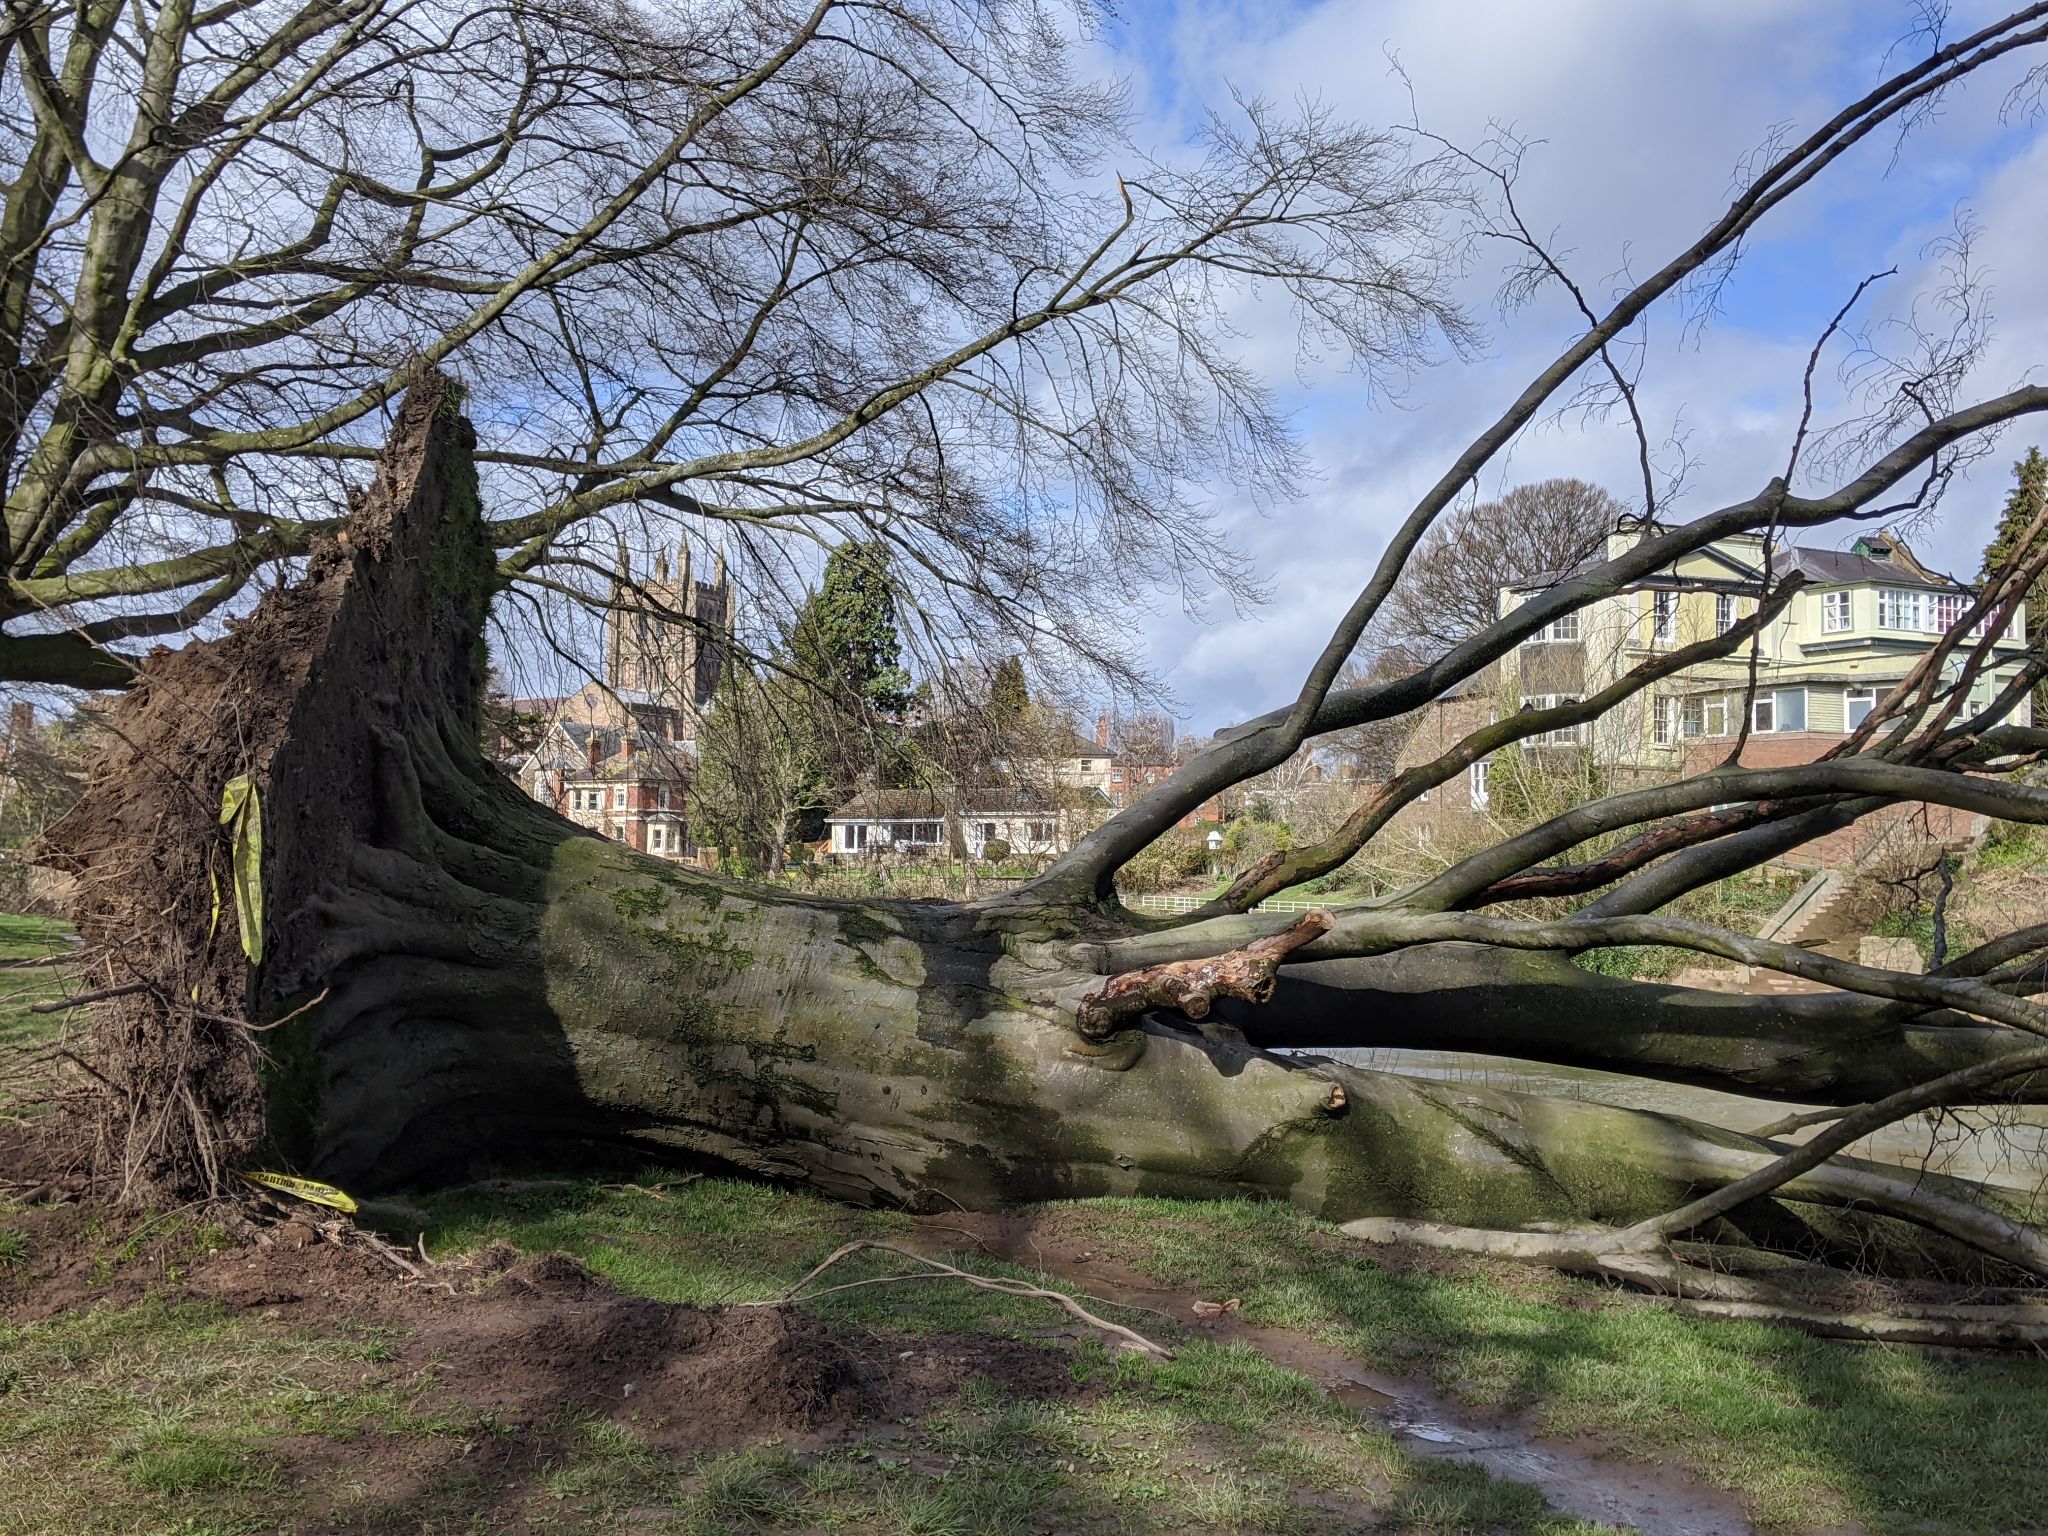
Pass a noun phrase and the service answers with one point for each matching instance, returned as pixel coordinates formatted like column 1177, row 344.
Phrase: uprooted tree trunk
column 446, row 974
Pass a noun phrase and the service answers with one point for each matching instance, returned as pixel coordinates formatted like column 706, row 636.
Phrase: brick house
column 627, row 784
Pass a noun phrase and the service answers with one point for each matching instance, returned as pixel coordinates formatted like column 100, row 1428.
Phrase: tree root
column 1648, row 1266
column 937, row 1270
column 1189, row 986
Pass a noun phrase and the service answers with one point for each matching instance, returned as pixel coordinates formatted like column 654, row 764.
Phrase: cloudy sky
column 1643, row 112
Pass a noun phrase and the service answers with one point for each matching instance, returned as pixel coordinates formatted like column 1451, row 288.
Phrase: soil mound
column 549, row 1336
column 532, row 1339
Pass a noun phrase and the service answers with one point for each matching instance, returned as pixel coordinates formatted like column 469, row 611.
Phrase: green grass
column 187, row 1418
column 137, row 1418
column 24, row 1092
column 1813, row 1433
column 2009, row 845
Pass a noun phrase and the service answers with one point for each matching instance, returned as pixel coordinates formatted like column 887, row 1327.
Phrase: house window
column 618, row 798
column 1478, row 774
column 1898, row 608
column 1834, row 612
column 1564, row 735
column 988, row 831
column 1857, row 704
column 654, row 839
column 661, row 799
column 1948, row 611
column 1724, row 613
column 1663, row 720
column 1564, row 627
column 1717, row 715
column 1663, row 616
column 1784, row 710
column 1692, row 717
column 1041, row 832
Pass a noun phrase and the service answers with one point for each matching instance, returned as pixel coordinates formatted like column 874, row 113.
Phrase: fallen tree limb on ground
column 936, row 1269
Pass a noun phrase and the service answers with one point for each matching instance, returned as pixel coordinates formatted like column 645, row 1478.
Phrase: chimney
column 595, row 752
column 626, row 746
column 1102, row 730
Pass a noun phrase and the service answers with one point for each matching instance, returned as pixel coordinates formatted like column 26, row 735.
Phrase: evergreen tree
column 846, row 644
column 2026, row 501
column 1009, row 700
column 846, row 640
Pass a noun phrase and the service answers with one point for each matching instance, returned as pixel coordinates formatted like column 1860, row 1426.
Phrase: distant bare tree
column 1448, row 591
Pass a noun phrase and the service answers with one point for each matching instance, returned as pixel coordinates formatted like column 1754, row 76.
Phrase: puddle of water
column 1647, row 1499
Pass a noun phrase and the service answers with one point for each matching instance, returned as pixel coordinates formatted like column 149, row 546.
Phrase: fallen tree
column 442, row 973
column 338, row 938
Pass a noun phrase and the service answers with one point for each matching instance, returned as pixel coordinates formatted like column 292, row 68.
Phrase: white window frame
column 1770, row 700
column 1851, row 697
column 1564, row 735
column 1724, row 612
column 1476, row 777
column 1835, row 615
column 1716, row 704
column 1565, row 627
column 1663, row 720
column 1692, row 716
column 654, row 840
column 1902, row 610
column 618, row 798
column 1944, row 611
column 1663, row 617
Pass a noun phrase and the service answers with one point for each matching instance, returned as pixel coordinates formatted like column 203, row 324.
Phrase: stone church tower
column 666, row 648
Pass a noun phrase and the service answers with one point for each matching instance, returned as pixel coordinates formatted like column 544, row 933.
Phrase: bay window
column 1834, row 612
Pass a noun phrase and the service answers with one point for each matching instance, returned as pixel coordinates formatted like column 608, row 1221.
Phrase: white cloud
column 1645, row 112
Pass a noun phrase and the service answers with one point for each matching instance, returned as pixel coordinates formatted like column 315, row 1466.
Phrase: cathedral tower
column 666, row 647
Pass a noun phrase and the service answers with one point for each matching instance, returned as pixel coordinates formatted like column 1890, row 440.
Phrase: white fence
column 1190, row 903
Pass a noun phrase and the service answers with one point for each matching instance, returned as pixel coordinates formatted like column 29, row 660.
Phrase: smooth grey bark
column 1828, row 1048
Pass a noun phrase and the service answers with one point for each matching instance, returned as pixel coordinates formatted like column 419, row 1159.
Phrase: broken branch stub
column 1190, row 986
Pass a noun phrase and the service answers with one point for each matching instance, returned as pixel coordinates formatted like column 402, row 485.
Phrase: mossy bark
column 465, row 978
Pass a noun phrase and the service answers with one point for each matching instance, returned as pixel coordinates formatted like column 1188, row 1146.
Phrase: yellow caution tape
column 241, row 811
column 305, row 1189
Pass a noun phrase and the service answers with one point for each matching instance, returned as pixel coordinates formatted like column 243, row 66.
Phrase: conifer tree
column 2026, row 501
column 846, row 645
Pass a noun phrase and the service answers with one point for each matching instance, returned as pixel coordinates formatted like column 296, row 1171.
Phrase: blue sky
column 1644, row 111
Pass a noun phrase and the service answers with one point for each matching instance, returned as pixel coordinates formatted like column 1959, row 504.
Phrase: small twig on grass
column 936, row 1270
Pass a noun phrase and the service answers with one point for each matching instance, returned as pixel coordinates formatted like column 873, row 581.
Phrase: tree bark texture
column 463, row 977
